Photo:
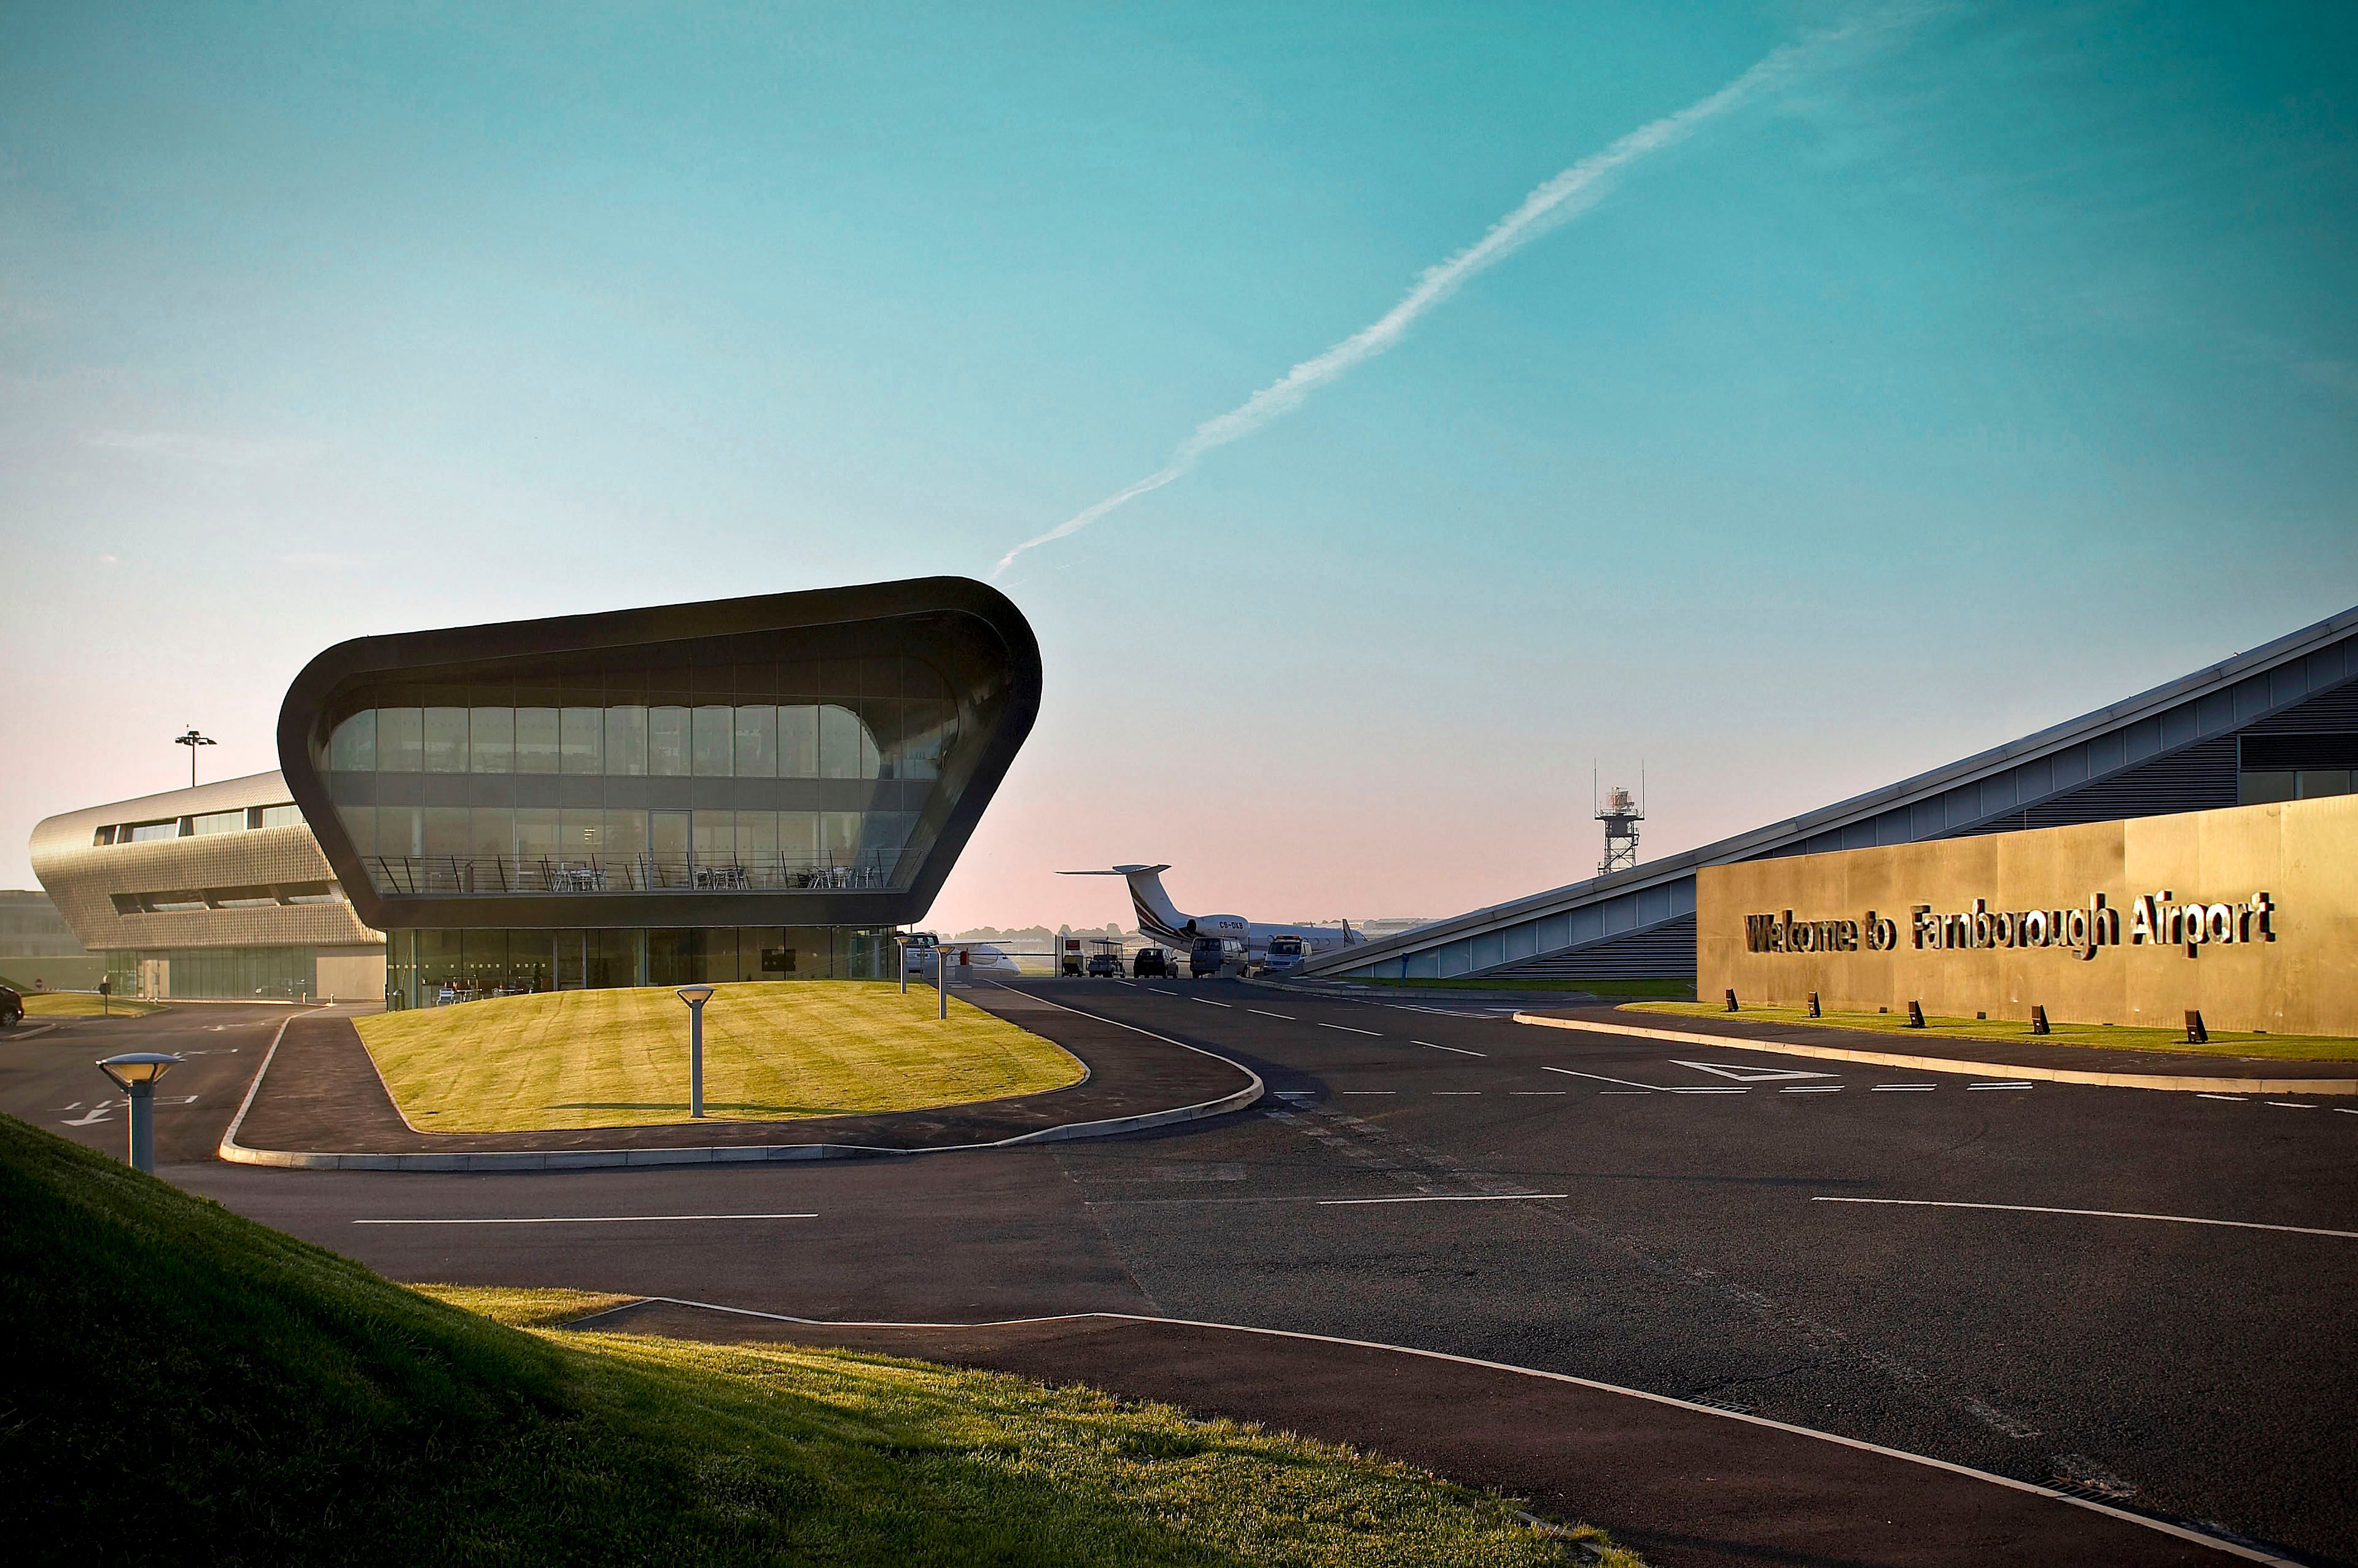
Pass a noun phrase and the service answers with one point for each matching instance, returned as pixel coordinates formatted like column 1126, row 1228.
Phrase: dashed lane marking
column 1905, row 1088
column 1266, row 1013
column 2232, row 1100
column 1371, row 1091
column 1442, row 1197
column 1539, row 1091
column 1447, row 1092
column 1349, row 1030
column 2101, row 1213
column 2291, row 1104
column 1458, row 1049
column 2017, row 1085
column 1810, row 1089
column 1207, row 1003
column 589, row 1219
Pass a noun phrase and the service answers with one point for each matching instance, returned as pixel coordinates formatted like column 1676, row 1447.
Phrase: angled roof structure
column 2183, row 746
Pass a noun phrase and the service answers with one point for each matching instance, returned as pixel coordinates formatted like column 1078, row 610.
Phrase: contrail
column 1560, row 200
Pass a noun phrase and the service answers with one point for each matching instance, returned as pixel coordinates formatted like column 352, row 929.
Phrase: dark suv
column 12, row 1006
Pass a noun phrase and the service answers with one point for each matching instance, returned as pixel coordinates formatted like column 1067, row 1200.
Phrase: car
column 1152, row 960
column 1284, row 953
column 1216, row 956
column 12, row 1006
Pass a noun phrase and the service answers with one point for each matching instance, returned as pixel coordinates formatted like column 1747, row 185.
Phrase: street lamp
column 134, row 1073
column 191, row 740
column 696, row 997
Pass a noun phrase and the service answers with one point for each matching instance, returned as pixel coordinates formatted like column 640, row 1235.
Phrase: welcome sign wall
column 2249, row 913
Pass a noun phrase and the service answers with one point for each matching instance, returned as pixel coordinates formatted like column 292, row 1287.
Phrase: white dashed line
column 1458, row 1091
column 590, row 1219
column 2017, row 1085
column 1207, row 1003
column 1477, row 1197
column 2101, row 1213
column 1539, row 1091
column 1266, row 1013
column 2232, row 1100
column 1624, row 1091
column 2291, row 1104
column 1459, row 1049
column 1349, row 1030
column 1905, row 1088
column 1371, row 1091
column 1810, row 1089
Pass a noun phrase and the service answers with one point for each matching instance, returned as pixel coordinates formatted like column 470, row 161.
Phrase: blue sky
column 1990, row 364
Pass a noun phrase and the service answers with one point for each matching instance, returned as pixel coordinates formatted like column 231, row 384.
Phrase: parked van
column 1216, row 956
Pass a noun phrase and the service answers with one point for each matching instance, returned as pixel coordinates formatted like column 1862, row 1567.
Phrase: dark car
column 12, row 1006
column 1154, row 961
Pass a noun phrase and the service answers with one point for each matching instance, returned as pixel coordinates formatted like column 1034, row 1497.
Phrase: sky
column 1878, row 384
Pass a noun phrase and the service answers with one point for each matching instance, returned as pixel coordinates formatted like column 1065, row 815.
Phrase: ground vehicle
column 1216, row 956
column 12, row 1008
column 1152, row 960
column 1068, row 959
column 1105, row 958
column 918, row 949
column 1284, row 953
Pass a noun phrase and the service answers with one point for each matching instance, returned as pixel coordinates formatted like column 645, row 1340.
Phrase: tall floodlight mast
column 1621, row 814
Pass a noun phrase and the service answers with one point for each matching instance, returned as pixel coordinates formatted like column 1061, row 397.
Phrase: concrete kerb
column 588, row 1323
column 237, row 1154
column 2183, row 1084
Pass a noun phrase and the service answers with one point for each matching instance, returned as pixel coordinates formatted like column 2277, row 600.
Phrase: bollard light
column 696, row 997
column 134, row 1073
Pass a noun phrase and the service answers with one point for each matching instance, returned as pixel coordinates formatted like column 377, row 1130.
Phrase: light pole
column 191, row 740
column 941, row 981
column 696, row 997
column 134, row 1073
column 902, row 947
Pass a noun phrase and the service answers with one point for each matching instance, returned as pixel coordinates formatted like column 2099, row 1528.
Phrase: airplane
column 1159, row 918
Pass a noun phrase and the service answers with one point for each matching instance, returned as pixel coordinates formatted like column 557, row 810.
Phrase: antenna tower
column 1620, row 814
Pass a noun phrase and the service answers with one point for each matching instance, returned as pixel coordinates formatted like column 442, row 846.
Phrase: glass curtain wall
column 439, row 968
column 735, row 777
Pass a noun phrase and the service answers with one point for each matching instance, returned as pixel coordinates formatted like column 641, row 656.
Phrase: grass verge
column 85, row 1004
column 2117, row 1037
column 774, row 1052
column 1672, row 988
column 185, row 1384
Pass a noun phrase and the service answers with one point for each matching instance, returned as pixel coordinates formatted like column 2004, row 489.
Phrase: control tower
column 1620, row 816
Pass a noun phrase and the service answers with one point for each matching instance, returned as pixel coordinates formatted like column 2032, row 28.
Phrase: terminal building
column 2276, row 723
column 755, row 788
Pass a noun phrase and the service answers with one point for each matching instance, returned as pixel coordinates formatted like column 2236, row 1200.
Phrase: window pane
column 798, row 840
column 2319, row 782
column 585, row 737
column 626, row 740
column 626, row 833
column 400, row 835
column 218, row 822
column 360, row 826
column 491, row 739
column 281, row 816
column 798, row 743
column 352, row 748
column 398, row 740
column 493, row 830
column 839, row 743
column 871, row 764
column 446, row 739
column 535, row 834
column 713, row 728
column 446, row 830
column 757, row 742
column 842, row 830
column 2257, row 788
column 582, row 833
column 538, row 750
column 927, row 728
column 757, row 845
column 667, row 742
column 715, row 838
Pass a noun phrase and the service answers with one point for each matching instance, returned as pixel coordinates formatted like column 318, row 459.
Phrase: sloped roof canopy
column 833, row 749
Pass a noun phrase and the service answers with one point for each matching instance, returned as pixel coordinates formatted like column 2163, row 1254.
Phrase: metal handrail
column 645, row 873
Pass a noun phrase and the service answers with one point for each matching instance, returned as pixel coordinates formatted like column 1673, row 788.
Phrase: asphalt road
column 1668, row 1218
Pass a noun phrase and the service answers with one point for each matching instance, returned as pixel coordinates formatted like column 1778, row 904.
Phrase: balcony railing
column 494, row 875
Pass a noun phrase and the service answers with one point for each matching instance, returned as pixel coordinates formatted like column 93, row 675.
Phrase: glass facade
column 437, row 968
column 769, row 776
column 218, row 974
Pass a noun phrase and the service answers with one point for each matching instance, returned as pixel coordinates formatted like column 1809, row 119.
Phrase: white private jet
column 1159, row 918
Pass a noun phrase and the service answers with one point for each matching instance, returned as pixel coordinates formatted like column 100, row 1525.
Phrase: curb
column 2180, row 1084
column 237, row 1154
column 2249, row 1553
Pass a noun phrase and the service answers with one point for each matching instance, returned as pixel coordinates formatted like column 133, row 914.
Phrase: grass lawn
column 773, row 1051
column 1594, row 988
column 2120, row 1037
column 280, row 1404
column 84, row 1004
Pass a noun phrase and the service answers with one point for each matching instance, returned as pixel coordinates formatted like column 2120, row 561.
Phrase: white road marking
column 1458, row 1091
column 1371, row 1091
column 1905, row 1088
column 2011, row 1085
column 1207, row 1003
column 1811, row 1090
column 1459, row 1049
column 1539, row 1091
column 1442, row 1197
column 2346, row 1110
column 1349, row 1030
column 589, row 1219
column 95, row 1114
column 2291, row 1104
column 1629, row 1083
column 1266, row 1013
column 2103, row 1213
column 1624, row 1091
column 2236, row 1099
column 1749, row 1075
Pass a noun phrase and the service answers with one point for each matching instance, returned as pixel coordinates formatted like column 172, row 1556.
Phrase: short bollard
column 941, row 984
column 1814, row 1006
column 2195, row 1033
column 134, row 1073
column 1731, row 1002
column 696, row 997
column 1915, row 1015
column 2037, row 1019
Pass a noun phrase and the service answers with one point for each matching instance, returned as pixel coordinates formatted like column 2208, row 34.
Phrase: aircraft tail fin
column 1157, row 917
